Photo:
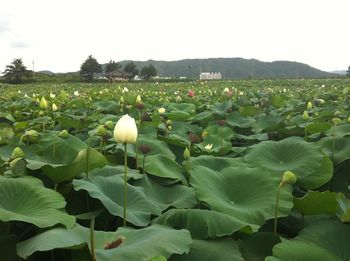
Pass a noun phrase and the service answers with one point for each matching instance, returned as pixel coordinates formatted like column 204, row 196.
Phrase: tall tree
column 16, row 71
column 148, row 71
column 130, row 67
column 90, row 67
column 110, row 67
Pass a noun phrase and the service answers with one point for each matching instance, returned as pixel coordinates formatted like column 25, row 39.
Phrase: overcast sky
column 59, row 34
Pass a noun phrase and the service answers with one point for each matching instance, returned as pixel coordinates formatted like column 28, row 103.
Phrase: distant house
column 137, row 78
column 117, row 75
column 210, row 76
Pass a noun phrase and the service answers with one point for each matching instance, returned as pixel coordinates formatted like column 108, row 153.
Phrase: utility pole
column 33, row 70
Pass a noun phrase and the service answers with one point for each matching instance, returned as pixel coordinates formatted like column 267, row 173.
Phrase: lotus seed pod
column 337, row 113
column 305, row 116
column 309, row 105
column 17, row 153
column 101, row 131
column 169, row 122
column 63, row 134
column 109, row 125
column 31, row 135
column 289, row 178
column 186, row 154
column 43, row 103
column 336, row 121
column 18, row 166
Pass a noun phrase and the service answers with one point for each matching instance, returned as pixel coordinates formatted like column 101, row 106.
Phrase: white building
column 210, row 76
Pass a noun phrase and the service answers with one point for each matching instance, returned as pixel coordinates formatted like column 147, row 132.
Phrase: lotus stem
column 87, row 162
column 305, row 134
column 333, row 143
column 276, row 208
column 143, row 164
column 125, row 182
column 92, row 239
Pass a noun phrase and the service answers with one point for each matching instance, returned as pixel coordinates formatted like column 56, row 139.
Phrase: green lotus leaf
column 180, row 111
column 322, row 240
column 341, row 148
column 26, row 199
column 86, row 160
column 178, row 196
column 110, row 191
column 223, row 249
column 235, row 119
column 141, row 244
column 305, row 159
column 204, row 223
column 248, row 194
column 339, row 131
column 51, row 150
column 106, row 106
column 162, row 166
column 149, row 138
column 318, row 127
column 278, row 101
column 315, row 203
column 266, row 122
column 7, row 116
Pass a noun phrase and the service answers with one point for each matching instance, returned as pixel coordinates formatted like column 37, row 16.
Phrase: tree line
column 90, row 69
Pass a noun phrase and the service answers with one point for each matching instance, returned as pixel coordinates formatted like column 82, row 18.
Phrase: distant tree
column 16, row 71
column 110, row 67
column 348, row 72
column 89, row 67
column 148, row 71
column 130, row 67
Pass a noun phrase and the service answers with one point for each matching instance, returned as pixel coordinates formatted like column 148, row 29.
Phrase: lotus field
column 226, row 170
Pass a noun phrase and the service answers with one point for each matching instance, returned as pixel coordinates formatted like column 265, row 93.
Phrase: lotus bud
column 145, row 149
column 336, row 121
column 17, row 153
column 109, row 124
column 121, row 100
column 169, row 127
column 18, row 166
column 348, row 120
column 43, row 103
column 125, row 131
column 54, row 107
column 221, row 122
column 41, row 113
column 305, row 116
column 186, row 154
column 309, row 105
column 63, row 134
column 289, row 178
column 204, row 134
column 161, row 111
column 138, row 99
column 101, row 131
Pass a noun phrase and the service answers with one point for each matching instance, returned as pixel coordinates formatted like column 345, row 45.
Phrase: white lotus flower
column 125, row 131
column 76, row 93
column 208, row 147
column 52, row 96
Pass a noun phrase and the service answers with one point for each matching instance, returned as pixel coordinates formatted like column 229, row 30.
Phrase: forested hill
column 233, row 68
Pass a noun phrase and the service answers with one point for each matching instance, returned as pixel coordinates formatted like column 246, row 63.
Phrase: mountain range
column 232, row 68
